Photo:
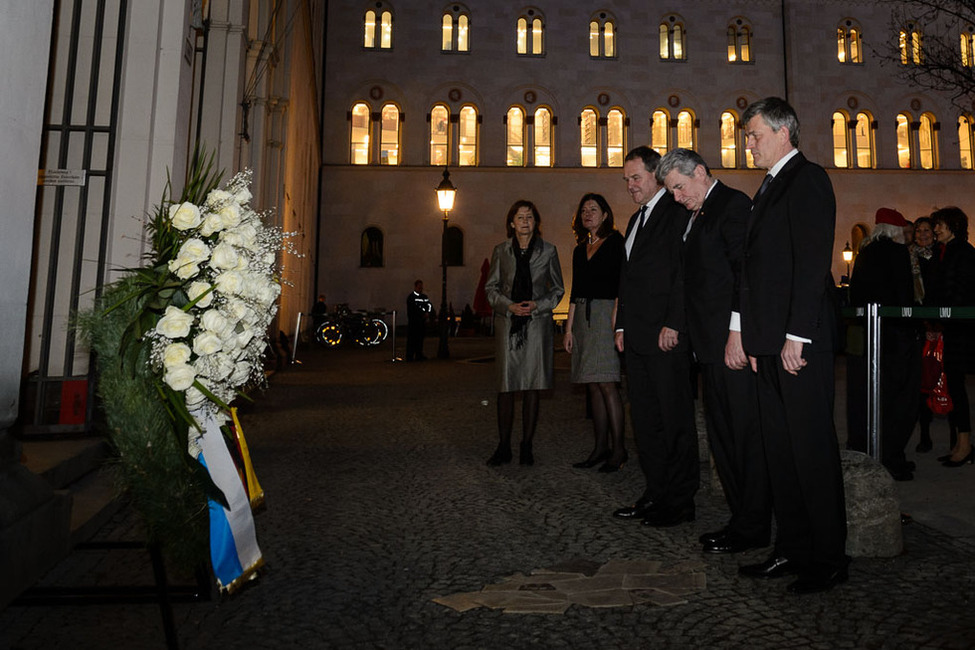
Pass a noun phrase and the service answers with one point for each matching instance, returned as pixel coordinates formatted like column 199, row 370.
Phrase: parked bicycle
column 362, row 327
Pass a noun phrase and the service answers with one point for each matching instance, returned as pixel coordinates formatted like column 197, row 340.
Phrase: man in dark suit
column 418, row 308
column 788, row 324
column 650, row 331
column 714, row 243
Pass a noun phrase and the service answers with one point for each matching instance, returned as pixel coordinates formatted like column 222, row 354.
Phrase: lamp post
column 445, row 199
column 847, row 257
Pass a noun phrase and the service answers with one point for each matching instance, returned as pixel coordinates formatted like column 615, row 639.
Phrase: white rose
column 184, row 268
column 211, row 223
column 244, row 337
column 176, row 354
column 229, row 215
column 216, row 197
column 206, row 343
column 194, row 398
column 242, row 372
column 213, row 321
column 222, row 366
column 224, row 256
column 175, row 323
column 248, row 234
column 230, row 282
column 197, row 289
column 194, row 250
column 180, row 377
column 243, row 196
column 184, row 216
column 233, row 238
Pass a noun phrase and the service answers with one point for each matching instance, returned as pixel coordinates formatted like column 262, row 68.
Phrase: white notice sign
column 61, row 177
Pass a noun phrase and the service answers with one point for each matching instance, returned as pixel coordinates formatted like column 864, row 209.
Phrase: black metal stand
column 443, row 349
column 160, row 593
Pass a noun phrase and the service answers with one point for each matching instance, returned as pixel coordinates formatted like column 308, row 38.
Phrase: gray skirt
column 594, row 355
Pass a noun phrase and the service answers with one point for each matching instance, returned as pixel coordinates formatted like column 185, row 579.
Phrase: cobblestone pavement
column 379, row 501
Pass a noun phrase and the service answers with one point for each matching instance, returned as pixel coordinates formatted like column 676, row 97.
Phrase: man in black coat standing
column 417, row 308
column 788, row 324
column 714, row 243
column 651, row 332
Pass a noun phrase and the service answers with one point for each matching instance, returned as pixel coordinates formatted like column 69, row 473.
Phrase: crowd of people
column 708, row 282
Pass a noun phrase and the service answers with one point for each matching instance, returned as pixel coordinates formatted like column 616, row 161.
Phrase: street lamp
column 847, row 257
column 445, row 199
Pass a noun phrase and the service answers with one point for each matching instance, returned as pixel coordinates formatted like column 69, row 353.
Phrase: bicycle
column 362, row 327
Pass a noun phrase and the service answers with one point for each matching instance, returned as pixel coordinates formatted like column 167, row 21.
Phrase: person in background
column 418, row 308
column 596, row 263
column 923, row 249
column 524, row 285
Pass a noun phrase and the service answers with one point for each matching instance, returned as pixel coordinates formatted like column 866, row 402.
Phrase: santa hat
column 893, row 217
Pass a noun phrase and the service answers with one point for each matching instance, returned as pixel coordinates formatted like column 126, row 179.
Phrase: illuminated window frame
column 673, row 44
column 514, row 139
column 660, row 131
column 390, row 134
column 455, row 28
column 589, row 137
column 686, row 124
column 911, row 45
column 377, row 26
column 927, row 139
column 530, row 34
column 728, row 137
column 849, row 44
column 468, row 135
column 440, row 133
column 905, row 143
column 739, row 41
column 966, row 40
column 966, row 141
column 602, row 36
column 360, row 131
column 616, row 122
column 841, row 140
column 543, row 137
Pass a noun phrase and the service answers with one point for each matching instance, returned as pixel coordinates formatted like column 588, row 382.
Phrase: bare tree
column 927, row 48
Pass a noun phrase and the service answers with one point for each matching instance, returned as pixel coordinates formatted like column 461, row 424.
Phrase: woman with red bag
column 953, row 284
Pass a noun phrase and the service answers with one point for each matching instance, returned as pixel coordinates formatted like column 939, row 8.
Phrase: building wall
column 794, row 54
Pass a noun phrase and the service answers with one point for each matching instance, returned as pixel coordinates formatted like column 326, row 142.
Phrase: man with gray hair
column 714, row 243
column 788, row 323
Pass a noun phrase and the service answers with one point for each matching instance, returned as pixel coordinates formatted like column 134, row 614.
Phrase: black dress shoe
column 817, row 582
column 609, row 466
column 710, row 538
column 631, row 512
column 733, row 543
column 669, row 517
column 773, row 567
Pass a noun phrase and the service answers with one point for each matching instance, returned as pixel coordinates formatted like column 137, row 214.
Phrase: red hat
column 893, row 217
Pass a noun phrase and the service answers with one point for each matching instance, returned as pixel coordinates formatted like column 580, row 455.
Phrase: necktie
column 765, row 183
column 643, row 218
column 636, row 230
column 690, row 223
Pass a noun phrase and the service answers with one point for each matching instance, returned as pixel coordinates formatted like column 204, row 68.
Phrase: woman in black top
column 590, row 327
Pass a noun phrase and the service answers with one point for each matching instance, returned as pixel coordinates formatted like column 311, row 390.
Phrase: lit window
column 515, row 137
column 589, row 137
column 966, row 145
column 615, row 145
column 739, row 42
column 841, row 143
column 530, row 34
column 967, row 39
column 927, row 143
column 542, row 132
column 910, row 46
column 439, row 135
column 848, row 47
column 385, row 25
column 685, row 130
column 864, row 140
column 602, row 36
column 455, row 30
column 389, row 136
column 729, row 140
column 659, row 126
column 468, row 137
column 360, row 134
column 672, row 39
column 903, row 141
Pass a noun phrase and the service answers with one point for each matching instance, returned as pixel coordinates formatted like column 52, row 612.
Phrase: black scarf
column 521, row 291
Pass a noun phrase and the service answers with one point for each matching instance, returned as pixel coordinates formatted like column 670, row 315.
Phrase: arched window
column 863, row 139
column 841, row 140
column 467, row 145
column 685, row 130
column 389, row 135
column 967, row 42
column 455, row 29
column 739, row 41
column 615, row 138
column 371, row 248
column 589, row 138
column 659, row 128
column 927, row 142
column 440, row 135
column 359, row 137
column 454, row 246
column 531, row 33
column 602, row 36
column 904, row 141
column 848, row 46
column 966, row 144
column 729, row 140
column 378, row 29
column 910, row 45
column 672, row 39
column 515, row 137
column 542, row 132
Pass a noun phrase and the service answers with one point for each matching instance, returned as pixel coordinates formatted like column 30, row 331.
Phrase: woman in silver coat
column 523, row 287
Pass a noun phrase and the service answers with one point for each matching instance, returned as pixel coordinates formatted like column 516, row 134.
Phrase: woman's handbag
column 932, row 365
column 939, row 401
